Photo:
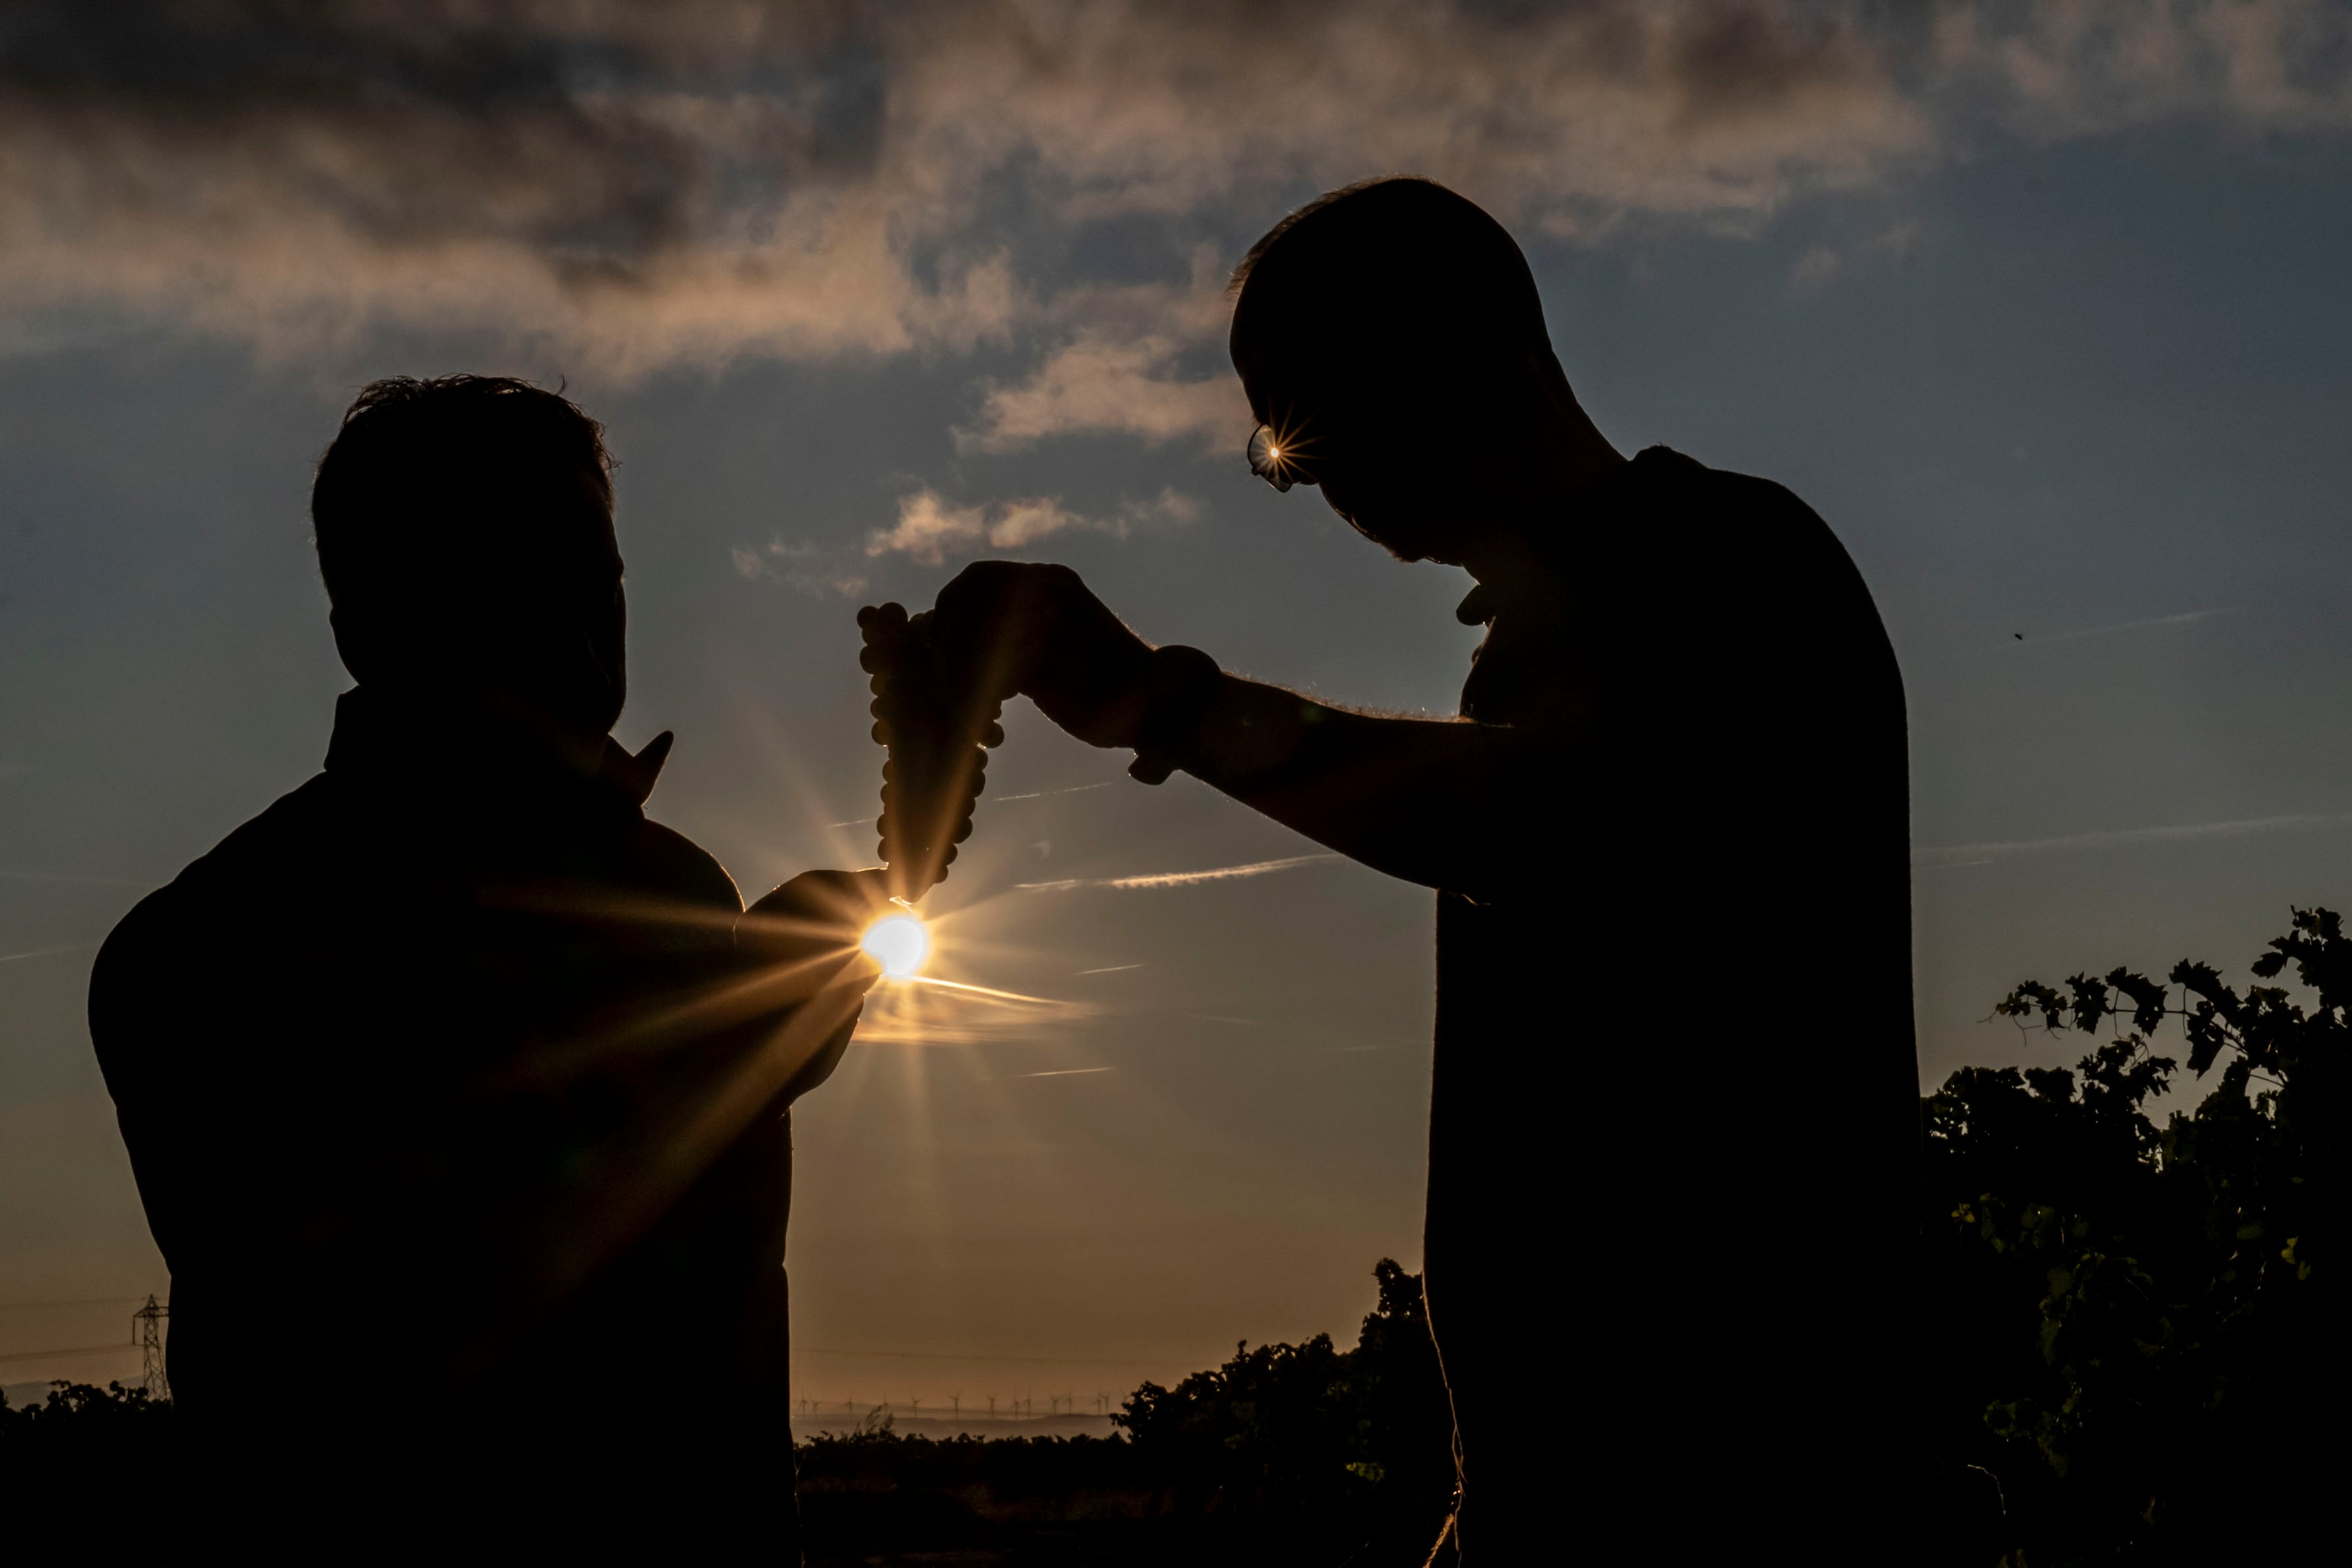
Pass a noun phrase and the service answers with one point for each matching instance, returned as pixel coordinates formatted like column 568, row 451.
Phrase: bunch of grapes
column 937, row 714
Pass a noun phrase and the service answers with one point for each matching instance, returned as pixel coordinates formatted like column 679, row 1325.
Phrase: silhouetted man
column 1674, row 1108
column 455, row 1089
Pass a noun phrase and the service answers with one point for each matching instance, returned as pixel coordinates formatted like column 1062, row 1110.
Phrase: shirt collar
column 453, row 752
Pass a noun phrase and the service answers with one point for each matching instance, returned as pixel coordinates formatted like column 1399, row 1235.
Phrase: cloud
column 1814, row 269
column 1959, row 855
column 624, row 187
column 1177, row 878
column 929, row 529
column 45, row 952
column 2187, row 618
column 2057, row 69
column 810, row 569
column 1820, row 266
column 1042, row 793
column 929, row 1011
column 89, row 881
column 1096, row 383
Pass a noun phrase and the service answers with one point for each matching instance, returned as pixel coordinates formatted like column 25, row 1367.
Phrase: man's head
column 1390, row 340
column 465, row 530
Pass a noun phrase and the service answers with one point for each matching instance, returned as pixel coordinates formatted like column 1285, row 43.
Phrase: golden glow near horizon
column 899, row 944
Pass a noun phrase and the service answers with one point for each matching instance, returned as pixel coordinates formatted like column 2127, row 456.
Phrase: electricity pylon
column 147, row 1333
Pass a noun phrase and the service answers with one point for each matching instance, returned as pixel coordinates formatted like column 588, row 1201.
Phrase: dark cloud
column 645, row 184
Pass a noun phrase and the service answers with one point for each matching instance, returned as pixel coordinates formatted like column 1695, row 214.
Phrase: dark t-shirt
column 1674, row 1116
column 446, row 1110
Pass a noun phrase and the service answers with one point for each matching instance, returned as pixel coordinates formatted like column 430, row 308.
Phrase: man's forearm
column 1427, row 800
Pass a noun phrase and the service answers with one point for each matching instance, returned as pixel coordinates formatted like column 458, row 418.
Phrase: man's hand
column 807, row 935
column 816, row 915
column 1043, row 635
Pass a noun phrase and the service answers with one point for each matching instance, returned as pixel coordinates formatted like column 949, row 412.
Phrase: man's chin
column 1407, row 547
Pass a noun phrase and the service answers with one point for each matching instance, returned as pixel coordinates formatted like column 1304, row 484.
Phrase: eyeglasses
column 1267, row 460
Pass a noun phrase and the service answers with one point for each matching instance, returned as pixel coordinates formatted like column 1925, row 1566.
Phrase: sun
column 899, row 944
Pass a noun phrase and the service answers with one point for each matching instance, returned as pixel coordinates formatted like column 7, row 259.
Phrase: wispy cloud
column 1097, row 383
column 810, row 569
column 1823, row 265
column 46, row 952
column 1177, row 878
column 999, row 800
column 1042, row 794
column 929, row 1011
column 86, row 881
column 1959, row 855
column 2180, row 620
column 929, row 529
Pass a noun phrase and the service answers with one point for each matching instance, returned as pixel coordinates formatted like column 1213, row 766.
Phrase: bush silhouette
column 1308, row 1428
column 2129, row 1325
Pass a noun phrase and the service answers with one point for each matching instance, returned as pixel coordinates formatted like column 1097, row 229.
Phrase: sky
column 2041, row 305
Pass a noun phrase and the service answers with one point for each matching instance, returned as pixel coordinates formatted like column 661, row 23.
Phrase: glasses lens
column 1266, row 459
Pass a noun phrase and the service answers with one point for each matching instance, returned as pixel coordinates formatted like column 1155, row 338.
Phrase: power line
column 93, row 1301
column 146, row 1337
column 75, row 1350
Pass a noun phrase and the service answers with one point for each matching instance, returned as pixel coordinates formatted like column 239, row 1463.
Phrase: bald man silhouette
column 1673, row 1115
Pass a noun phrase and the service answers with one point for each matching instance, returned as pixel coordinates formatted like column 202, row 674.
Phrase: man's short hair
column 453, row 477
column 1389, row 280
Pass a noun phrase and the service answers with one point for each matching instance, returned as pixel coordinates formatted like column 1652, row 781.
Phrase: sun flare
column 899, row 944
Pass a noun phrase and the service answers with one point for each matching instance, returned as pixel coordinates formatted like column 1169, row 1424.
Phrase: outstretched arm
column 1466, row 806
column 1447, row 803
column 810, row 974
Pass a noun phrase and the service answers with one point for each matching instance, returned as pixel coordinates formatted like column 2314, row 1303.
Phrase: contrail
column 1033, row 794
column 991, row 995
column 1042, row 793
column 1177, row 878
column 1957, row 855
column 2180, row 620
column 45, row 951
column 1114, row 969
column 1064, row 1072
